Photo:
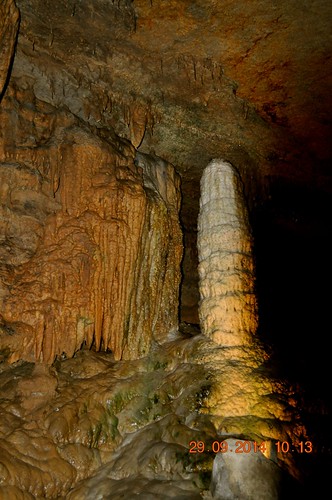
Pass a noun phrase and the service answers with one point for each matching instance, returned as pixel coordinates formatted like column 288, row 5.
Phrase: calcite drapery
column 89, row 253
column 228, row 304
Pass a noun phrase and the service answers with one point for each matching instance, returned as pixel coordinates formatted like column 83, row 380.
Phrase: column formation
column 228, row 311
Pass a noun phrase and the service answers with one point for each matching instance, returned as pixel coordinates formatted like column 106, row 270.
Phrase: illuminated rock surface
column 108, row 105
column 90, row 245
column 228, row 311
column 91, row 426
column 246, row 475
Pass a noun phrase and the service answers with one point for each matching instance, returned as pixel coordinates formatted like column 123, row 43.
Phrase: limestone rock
column 110, row 428
column 245, row 476
column 243, row 398
column 89, row 236
column 90, row 245
column 9, row 21
column 88, row 425
column 228, row 304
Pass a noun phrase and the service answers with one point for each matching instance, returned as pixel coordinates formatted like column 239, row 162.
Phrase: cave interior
column 174, row 84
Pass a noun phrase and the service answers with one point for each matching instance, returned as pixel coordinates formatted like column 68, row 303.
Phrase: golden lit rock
column 91, row 243
column 104, row 108
column 243, row 400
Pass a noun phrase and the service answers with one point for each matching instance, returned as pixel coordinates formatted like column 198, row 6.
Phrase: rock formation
column 9, row 21
column 90, row 242
column 247, row 475
column 228, row 315
column 105, row 106
column 228, row 312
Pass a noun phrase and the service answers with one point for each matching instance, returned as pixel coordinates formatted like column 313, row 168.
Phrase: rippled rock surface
column 92, row 427
column 90, row 241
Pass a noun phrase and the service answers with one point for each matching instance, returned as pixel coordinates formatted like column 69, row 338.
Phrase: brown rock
column 91, row 246
column 9, row 22
column 191, row 82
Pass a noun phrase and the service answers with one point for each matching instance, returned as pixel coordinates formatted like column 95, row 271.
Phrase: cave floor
column 92, row 428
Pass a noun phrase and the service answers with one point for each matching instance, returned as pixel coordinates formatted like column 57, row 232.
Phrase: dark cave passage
column 189, row 293
column 291, row 233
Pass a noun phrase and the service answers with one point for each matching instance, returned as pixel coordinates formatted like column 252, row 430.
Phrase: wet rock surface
column 105, row 107
column 93, row 427
column 90, row 241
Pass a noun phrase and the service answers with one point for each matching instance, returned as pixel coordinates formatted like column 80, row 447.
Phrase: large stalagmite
column 228, row 306
column 243, row 398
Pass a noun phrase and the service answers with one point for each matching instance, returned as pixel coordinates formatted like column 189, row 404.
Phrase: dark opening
column 292, row 231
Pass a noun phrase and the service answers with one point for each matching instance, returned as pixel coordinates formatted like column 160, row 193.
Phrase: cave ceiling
column 190, row 80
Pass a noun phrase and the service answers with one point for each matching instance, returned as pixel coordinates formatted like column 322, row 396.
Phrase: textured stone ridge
column 9, row 21
column 88, row 426
column 247, row 475
column 228, row 304
column 89, row 254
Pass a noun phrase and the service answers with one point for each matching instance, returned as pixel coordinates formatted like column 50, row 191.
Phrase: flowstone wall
column 90, row 242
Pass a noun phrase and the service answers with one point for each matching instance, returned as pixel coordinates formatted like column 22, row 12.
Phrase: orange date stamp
column 244, row 446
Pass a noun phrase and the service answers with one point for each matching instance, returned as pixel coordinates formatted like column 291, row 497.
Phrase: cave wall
column 239, row 92
column 245, row 95
column 103, row 99
column 90, row 238
column 9, row 23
